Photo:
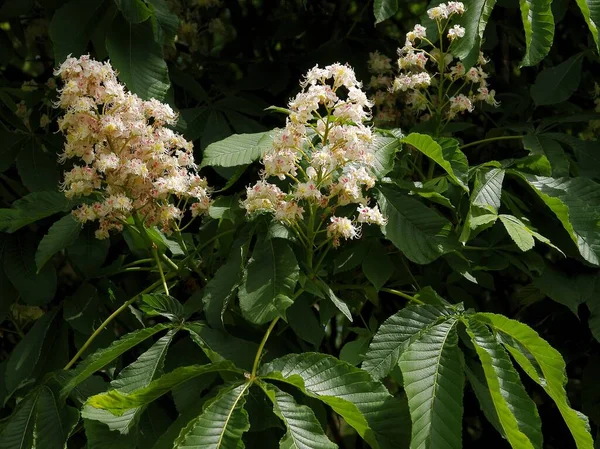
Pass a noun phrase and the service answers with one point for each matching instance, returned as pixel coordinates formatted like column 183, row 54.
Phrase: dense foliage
column 299, row 224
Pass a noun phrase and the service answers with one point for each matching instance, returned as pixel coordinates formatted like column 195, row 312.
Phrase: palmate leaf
column 518, row 232
column 557, row 84
column 117, row 402
column 576, row 203
column 221, row 424
column 271, row 277
column 53, row 424
column 303, row 428
column 543, row 144
column 104, row 356
column 31, row 208
column 384, row 149
column 17, row 432
column 418, row 231
column 544, row 365
column 433, row 380
column 239, row 149
column 516, row 413
column 366, row 405
column 396, row 333
column 538, row 24
column 433, row 150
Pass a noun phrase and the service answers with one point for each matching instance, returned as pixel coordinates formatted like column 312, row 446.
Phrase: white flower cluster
column 324, row 151
column 130, row 162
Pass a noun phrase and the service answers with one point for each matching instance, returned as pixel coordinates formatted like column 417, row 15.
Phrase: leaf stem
column 402, row 295
column 107, row 321
column 261, row 347
column 160, row 270
column 489, row 139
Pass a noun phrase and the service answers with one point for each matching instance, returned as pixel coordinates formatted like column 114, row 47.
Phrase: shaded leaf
column 557, row 84
column 60, row 235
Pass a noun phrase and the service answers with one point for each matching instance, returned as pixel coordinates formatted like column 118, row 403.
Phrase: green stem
column 107, row 321
column 402, row 295
column 137, row 262
column 160, row 270
column 489, row 139
column 261, row 347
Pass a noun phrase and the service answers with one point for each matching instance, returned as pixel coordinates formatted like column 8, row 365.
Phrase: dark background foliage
column 232, row 59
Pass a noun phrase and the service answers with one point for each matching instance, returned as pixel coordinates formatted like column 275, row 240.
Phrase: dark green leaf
column 167, row 306
column 474, row 20
column 541, row 144
column 538, row 23
column 31, row 208
column 591, row 13
column 384, row 9
column 557, row 84
column 17, row 432
column 60, row 235
column 135, row 11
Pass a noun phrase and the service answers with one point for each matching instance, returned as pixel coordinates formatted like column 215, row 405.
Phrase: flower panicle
column 126, row 158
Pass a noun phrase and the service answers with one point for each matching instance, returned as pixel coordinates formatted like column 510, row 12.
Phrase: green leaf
column 221, row 424
column 104, row 356
column 164, row 22
column 457, row 159
column 11, row 145
column 53, row 423
column 557, row 84
column 60, row 235
column 99, row 436
column 541, row 144
column 138, row 58
column 576, row 203
column 377, row 266
column 31, row 208
column 591, row 13
column 238, row 149
column 135, row 11
column 396, row 334
column 366, row 405
column 219, row 345
column 272, row 271
column 118, row 402
column 433, row 380
column 571, row 291
column 222, row 287
column 488, row 188
column 88, row 253
column 433, row 150
column 24, row 357
column 419, row 232
column 384, row 9
column 337, row 302
column 160, row 304
column 303, row 428
column 384, row 149
column 36, row 289
column 538, row 24
column 72, row 26
column 553, row 377
column 474, row 20
column 17, row 432
column 516, row 412
column 518, row 232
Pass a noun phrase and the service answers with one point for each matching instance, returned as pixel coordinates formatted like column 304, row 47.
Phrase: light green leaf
column 160, row 304
column 36, row 289
column 397, row 333
column 541, row 144
column 557, row 84
column 576, row 203
column 518, row 232
column 31, row 208
column 138, row 58
column 434, row 380
column 553, row 377
column 60, row 235
column 591, row 13
column 457, row 159
column 221, row 424
column 118, row 402
column 72, row 26
column 488, row 188
column 239, row 149
column 516, row 412
column 538, row 23
column 303, row 428
column 272, row 271
column 17, row 432
column 474, row 20
column 366, row 405
column 384, row 9
column 433, row 150
column 104, row 356
column 418, row 231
